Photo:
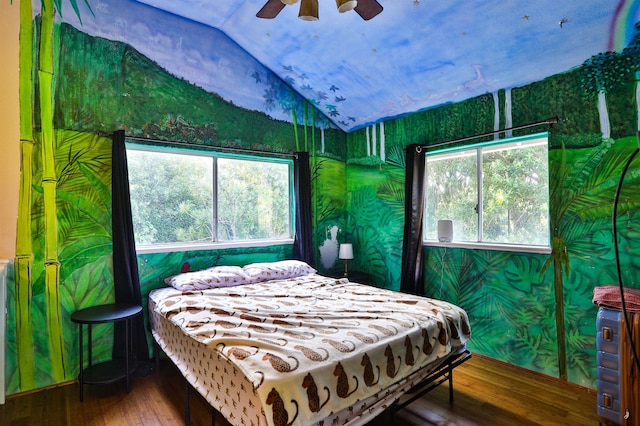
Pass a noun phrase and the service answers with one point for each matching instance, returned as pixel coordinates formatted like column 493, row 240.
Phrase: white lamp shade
column 346, row 5
column 346, row 251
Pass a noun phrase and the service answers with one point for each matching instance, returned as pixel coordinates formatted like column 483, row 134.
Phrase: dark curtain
column 125, row 264
column 412, row 274
column 302, row 244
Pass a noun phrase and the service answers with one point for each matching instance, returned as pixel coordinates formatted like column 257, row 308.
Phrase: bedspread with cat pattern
column 313, row 345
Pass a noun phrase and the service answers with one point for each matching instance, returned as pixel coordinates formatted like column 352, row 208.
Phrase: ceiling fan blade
column 367, row 9
column 270, row 9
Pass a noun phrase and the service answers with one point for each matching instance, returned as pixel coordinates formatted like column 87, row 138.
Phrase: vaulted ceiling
column 415, row 54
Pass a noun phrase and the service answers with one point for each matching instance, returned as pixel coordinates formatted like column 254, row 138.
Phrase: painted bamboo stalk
column 314, row 193
column 561, row 333
column 49, row 185
column 294, row 118
column 383, row 155
column 366, row 133
column 306, row 118
column 374, row 140
column 24, row 245
column 313, row 131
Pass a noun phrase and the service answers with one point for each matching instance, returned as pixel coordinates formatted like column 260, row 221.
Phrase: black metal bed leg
column 156, row 355
column 392, row 414
column 187, row 409
column 187, row 405
column 437, row 377
column 450, row 384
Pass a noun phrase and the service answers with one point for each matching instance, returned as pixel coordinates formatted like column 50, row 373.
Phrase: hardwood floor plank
column 487, row 392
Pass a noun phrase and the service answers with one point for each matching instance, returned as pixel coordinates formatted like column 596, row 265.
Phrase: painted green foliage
column 509, row 296
column 583, row 189
column 83, row 209
column 138, row 95
column 82, row 162
column 85, row 247
column 375, row 220
column 511, row 306
column 329, row 205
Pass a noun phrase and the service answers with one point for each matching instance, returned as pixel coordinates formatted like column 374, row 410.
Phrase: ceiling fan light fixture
column 308, row 10
column 346, row 5
column 289, row 2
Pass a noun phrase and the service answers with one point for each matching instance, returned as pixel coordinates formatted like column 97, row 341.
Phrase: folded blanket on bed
column 608, row 296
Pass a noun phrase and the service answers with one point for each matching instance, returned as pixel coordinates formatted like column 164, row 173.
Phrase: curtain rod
column 219, row 148
column 524, row 126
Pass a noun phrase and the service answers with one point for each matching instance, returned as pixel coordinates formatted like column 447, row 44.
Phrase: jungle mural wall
column 531, row 310
column 63, row 259
column 84, row 88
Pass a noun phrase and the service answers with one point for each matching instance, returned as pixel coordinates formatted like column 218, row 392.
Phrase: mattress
column 304, row 350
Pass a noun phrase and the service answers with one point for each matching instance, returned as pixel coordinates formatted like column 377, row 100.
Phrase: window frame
column 215, row 154
column 480, row 244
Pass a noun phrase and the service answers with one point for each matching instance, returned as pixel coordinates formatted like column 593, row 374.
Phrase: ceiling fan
column 367, row 9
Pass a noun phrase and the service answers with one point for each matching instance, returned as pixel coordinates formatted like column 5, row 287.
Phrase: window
column 192, row 200
column 495, row 194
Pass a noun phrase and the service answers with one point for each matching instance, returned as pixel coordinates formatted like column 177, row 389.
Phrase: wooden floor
column 486, row 393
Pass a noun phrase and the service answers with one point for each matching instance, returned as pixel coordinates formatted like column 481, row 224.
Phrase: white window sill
column 168, row 248
column 491, row 246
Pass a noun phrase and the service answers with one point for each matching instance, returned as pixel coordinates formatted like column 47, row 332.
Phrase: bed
column 277, row 344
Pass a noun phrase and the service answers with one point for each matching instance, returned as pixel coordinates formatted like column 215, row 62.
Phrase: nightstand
column 360, row 277
column 108, row 371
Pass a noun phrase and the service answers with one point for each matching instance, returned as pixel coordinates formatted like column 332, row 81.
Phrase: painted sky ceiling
column 414, row 55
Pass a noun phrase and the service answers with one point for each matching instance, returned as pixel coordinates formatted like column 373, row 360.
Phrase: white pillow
column 258, row 272
column 218, row 276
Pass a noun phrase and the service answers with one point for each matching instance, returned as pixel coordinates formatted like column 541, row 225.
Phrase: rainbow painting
column 622, row 29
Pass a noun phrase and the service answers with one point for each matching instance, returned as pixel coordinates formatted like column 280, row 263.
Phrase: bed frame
column 442, row 374
column 186, row 326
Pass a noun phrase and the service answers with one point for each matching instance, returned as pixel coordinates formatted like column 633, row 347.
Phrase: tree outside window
column 493, row 193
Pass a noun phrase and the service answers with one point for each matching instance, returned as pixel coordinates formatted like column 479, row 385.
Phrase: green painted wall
column 511, row 297
column 358, row 197
column 102, row 86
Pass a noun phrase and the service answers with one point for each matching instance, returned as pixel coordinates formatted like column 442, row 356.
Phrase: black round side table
column 108, row 371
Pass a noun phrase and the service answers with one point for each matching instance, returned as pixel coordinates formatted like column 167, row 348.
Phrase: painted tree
column 371, row 141
column 48, row 39
column 581, row 193
column 602, row 73
column 24, row 249
column 496, row 113
column 508, row 115
column 374, row 140
column 278, row 94
column 632, row 53
column 383, row 155
column 24, row 245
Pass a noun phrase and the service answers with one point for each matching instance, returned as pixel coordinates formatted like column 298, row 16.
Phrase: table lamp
column 346, row 253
